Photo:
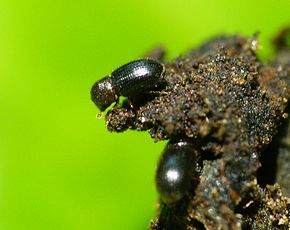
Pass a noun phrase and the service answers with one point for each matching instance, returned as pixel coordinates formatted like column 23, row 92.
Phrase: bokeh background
column 59, row 166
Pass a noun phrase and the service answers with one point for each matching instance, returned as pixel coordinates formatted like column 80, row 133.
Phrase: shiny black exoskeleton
column 176, row 170
column 128, row 80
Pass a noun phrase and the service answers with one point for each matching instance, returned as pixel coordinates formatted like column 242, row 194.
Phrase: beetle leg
column 162, row 92
column 117, row 100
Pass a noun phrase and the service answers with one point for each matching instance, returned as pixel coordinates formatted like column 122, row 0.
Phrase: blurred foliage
column 59, row 166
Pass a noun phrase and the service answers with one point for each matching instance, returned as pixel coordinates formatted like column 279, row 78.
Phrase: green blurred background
column 59, row 166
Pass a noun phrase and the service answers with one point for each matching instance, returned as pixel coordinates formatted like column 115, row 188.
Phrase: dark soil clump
column 223, row 99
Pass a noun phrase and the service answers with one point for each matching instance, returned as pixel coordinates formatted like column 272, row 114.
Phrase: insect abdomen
column 136, row 77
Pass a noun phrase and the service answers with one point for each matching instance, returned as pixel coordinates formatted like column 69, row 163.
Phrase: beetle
column 128, row 80
column 175, row 170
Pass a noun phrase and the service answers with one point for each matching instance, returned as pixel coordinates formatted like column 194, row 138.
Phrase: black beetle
column 128, row 80
column 175, row 170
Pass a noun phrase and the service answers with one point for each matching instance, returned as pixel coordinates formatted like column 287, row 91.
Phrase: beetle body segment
column 128, row 80
column 136, row 77
column 174, row 172
column 103, row 93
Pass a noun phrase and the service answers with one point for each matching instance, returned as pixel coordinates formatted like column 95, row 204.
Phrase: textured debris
column 223, row 99
column 273, row 212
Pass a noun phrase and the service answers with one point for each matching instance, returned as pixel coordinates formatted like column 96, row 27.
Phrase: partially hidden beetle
column 128, row 80
column 176, row 170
